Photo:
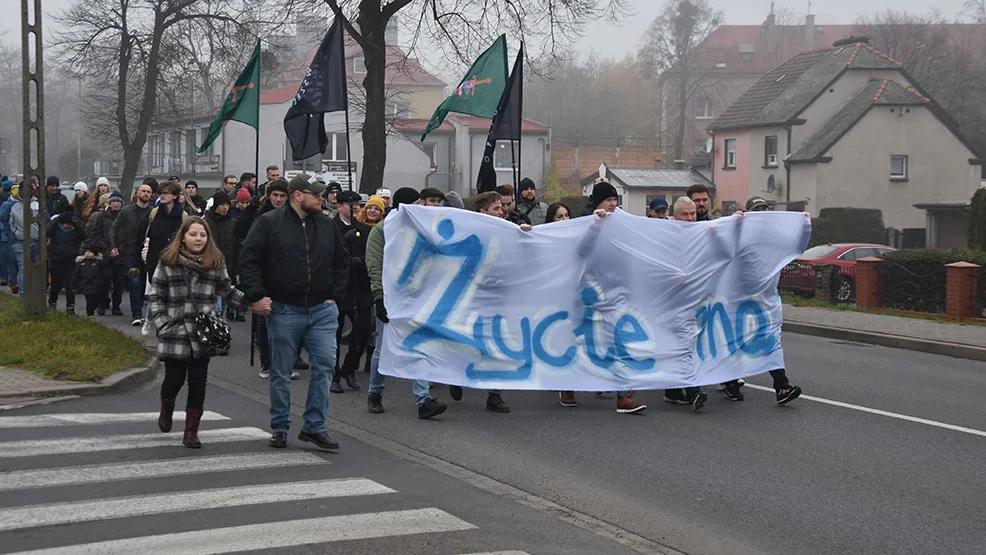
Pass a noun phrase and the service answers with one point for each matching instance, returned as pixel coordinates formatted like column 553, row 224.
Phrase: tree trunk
column 679, row 138
column 372, row 26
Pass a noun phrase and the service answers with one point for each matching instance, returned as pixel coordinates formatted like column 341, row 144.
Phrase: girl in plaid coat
column 190, row 274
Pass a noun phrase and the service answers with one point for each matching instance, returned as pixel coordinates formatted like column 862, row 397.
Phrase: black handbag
column 212, row 333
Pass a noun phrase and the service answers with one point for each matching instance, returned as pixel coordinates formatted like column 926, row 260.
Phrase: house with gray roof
column 842, row 126
column 635, row 188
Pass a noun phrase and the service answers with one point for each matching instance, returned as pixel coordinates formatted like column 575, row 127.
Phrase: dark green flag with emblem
column 479, row 91
column 242, row 104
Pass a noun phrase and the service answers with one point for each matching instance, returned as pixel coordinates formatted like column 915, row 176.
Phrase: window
column 429, row 149
column 401, row 110
column 336, row 150
column 503, row 158
column 703, row 108
column 770, row 151
column 730, row 149
column 820, row 251
column 898, row 167
column 359, row 64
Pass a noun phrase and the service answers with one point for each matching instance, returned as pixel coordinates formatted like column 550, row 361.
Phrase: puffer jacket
column 63, row 244
column 99, row 230
column 178, row 295
column 88, row 276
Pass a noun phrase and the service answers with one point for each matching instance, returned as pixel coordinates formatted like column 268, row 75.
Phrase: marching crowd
column 303, row 255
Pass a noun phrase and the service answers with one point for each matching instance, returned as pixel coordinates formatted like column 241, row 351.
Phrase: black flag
column 323, row 90
column 506, row 122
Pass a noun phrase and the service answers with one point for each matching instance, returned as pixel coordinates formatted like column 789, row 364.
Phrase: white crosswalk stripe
column 276, row 534
column 119, row 507
column 101, row 473
column 36, row 447
column 23, row 520
column 94, row 418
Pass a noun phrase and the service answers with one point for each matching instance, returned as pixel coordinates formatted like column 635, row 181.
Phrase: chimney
column 810, row 32
column 770, row 31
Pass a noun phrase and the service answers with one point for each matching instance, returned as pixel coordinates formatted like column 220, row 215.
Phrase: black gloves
column 350, row 235
column 381, row 311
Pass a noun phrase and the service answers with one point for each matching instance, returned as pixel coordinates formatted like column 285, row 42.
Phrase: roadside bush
column 977, row 221
column 848, row 225
column 914, row 279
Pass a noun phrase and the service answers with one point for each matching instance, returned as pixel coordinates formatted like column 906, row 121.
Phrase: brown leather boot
column 167, row 410
column 567, row 399
column 191, row 439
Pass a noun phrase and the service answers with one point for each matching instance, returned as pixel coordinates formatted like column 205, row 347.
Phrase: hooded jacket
column 88, row 276
column 221, row 228
column 17, row 219
column 64, row 244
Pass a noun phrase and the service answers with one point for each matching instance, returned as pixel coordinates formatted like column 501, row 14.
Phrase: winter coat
column 88, row 276
column 98, row 230
column 64, row 245
column 124, row 228
column 254, row 210
column 294, row 261
column 178, row 295
column 56, row 204
column 6, row 233
column 17, row 220
column 161, row 230
column 221, row 229
column 199, row 204
column 354, row 237
column 535, row 211
column 78, row 204
column 374, row 259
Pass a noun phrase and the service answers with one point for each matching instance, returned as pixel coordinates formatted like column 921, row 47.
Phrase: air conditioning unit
column 771, row 159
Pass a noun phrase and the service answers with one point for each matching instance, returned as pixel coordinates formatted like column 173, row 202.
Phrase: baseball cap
column 306, row 182
column 658, row 204
column 174, row 178
column 755, row 202
column 347, row 197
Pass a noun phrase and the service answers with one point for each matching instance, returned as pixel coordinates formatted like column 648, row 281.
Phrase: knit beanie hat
column 81, row 186
column 525, row 184
column 221, row 198
column 600, row 192
column 377, row 202
column 405, row 195
column 116, row 195
column 279, row 184
column 243, row 195
column 52, row 181
column 453, row 200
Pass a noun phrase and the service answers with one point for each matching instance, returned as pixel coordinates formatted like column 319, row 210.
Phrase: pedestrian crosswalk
column 95, row 499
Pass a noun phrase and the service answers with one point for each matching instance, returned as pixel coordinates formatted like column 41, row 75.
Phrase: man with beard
column 122, row 235
column 293, row 268
column 529, row 206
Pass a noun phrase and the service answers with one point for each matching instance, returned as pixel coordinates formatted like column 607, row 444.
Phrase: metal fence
column 798, row 278
column 917, row 287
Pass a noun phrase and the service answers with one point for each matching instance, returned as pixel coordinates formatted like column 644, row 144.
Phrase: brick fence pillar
column 961, row 286
column 825, row 275
column 868, row 282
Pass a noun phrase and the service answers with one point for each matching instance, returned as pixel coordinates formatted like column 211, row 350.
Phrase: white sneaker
column 295, row 375
column 265, row 373
column 137, row 322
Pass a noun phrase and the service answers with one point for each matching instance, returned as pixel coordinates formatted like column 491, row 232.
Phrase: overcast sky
column 618, row 39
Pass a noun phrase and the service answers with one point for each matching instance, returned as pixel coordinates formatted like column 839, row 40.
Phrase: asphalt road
column 750, row 477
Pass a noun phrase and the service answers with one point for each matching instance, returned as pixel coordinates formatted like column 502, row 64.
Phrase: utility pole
column 32, row 82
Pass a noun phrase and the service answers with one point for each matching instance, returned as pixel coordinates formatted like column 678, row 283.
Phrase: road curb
column 956, row 350
column 115, row 383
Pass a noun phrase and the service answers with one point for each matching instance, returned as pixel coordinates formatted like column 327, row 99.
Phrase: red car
column 799, row 276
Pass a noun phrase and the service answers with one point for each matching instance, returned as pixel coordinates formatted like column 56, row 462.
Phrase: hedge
column 848, row 225
column 914, row 279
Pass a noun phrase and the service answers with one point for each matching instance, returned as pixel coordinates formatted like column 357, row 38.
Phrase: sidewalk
column 959, row 340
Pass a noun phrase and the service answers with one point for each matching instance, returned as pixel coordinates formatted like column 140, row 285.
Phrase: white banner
column 588, row 304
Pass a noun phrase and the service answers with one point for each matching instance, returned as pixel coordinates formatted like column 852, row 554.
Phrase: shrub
column 915, row 279
column 848, row 225
column 977, row 221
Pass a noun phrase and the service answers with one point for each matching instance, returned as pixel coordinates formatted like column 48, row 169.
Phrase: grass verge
column 795, row 300
column 64, row 347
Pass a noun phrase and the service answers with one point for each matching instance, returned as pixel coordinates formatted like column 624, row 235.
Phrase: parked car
column 799, row 276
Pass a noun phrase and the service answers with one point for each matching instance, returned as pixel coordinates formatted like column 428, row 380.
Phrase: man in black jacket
column 357, row 304
column 122, row 234
column 293, row 268
column 56, row 203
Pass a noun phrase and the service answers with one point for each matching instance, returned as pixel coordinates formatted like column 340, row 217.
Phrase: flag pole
column 349, row 155
column 520, row 131
column 256, row 173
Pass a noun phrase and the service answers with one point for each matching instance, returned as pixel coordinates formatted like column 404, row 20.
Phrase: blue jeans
column 288, row 328
column 19, row 260
column 419, row 388
column 7, row 262
column 220, row 306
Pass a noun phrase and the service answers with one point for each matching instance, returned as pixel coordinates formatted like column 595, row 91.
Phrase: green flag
column 479, row 91
column 242, row 103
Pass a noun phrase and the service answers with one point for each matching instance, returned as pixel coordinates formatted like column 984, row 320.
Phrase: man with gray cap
column 293, row 268
column 528, row 205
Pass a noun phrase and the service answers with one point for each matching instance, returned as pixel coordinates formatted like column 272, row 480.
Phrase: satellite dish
column 771, row 186
column 708, row 145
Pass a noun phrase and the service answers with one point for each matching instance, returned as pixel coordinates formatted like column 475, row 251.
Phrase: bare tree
column 460, row 29
column 673, row 45
column 132, row 51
